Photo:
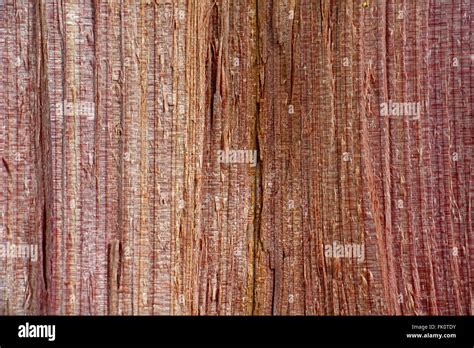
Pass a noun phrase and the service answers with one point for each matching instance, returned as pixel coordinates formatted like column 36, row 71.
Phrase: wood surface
column 112, row 115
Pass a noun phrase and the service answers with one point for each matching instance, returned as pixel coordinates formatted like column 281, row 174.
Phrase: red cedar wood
column 132, row 212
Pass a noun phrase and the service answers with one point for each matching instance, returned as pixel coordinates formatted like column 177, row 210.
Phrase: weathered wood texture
column 112, row 114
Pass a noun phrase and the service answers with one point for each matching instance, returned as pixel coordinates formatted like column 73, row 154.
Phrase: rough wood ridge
column 245, row 157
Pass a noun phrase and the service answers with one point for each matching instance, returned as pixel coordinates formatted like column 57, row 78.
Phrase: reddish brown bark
column 113, row 115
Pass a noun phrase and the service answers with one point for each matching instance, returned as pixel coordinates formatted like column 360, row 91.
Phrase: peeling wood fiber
column 208, row 157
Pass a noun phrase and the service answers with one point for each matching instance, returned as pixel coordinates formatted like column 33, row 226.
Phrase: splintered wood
column 246, row 157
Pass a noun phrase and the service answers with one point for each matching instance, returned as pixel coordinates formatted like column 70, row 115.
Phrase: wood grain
column 113, row 115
